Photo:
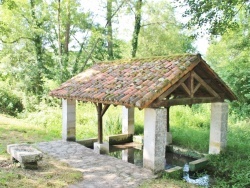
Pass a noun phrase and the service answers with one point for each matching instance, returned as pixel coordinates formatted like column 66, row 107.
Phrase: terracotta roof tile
column 134, row 82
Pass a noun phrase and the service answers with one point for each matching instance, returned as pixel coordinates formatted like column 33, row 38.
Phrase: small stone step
column 25, row 154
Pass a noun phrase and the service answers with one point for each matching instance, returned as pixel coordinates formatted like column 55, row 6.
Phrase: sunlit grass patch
column 50, row 173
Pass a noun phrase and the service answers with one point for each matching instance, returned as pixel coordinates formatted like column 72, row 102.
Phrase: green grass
column 189, row 127
column 165, row 183
column 50, row 173
column 231, row 168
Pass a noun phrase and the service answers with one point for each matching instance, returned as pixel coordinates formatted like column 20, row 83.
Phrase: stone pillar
column 102, row 148
column 128, row 155
column 218, row 127
column 128, row 120
column 154, row 139
column 69, row 120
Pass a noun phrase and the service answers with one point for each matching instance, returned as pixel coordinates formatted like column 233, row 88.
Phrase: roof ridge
column 142, row 59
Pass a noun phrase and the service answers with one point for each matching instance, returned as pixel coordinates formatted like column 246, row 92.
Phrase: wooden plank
column 185, row 101
column 204, row 84
column 186, row 88
column 196, row 88
column 173, row 87
column 192, row 84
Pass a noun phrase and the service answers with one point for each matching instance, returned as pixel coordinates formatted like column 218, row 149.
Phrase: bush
column 9, row 102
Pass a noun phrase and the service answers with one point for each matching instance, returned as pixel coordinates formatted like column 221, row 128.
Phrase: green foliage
column 217, row 16
column 189, row 125
column 10, row 103
column 231, row 168
column 230, row 58
column 161, row 34
column 49, row 118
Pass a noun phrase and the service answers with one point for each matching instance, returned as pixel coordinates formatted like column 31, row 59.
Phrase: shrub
column 9, row 102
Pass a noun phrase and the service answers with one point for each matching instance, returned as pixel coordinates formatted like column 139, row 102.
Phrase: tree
column 161, row 34
column 34, row 35
column 217, row 16
column 230, row 58
column 109, row 30
column 23, row 31
column 137, row 26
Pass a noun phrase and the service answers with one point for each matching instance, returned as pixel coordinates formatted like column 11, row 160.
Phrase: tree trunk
column 137, row 27
column 109, row 30
column 67, row 32
column 59, row 39
column 37, row 86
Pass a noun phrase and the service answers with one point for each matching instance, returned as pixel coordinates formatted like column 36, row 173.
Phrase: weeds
column 189, row 127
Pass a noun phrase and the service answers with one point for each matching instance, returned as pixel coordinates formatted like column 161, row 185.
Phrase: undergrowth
column 189, row 128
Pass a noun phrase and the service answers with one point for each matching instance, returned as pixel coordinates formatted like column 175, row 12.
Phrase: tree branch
column 16, row 40
column 154, row 23
column 98, row 39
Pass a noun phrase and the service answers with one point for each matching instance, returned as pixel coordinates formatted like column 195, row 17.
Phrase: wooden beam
column 192, row 84
column 172, row 88
column 185, row 101
column 100, row 112
column 168, row 124
column 99, row 117
column 196, row 87
column 106, row 106
column 204, row 84
column 186, row 88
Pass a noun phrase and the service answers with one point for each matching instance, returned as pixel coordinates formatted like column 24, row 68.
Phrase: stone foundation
column 101, row 148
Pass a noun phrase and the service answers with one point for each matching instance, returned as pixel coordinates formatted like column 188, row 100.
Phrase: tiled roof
column 132, row 83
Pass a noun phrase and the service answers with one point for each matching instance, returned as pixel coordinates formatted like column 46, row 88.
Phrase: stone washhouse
column 154, row 85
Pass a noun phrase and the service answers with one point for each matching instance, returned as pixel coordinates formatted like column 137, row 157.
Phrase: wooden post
column 168, row 125
column 99, row 114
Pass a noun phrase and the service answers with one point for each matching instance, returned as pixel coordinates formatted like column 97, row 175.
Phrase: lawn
column 50, row 173
column 189, row 126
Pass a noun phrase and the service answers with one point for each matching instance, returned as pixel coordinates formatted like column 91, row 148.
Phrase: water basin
column 133, row 153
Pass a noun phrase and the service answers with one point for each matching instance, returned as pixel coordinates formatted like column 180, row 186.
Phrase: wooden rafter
column 204, row 84
column 185, row 101
column 174, row 87
column 186, row 88
column 197, row 87
column 190, row 83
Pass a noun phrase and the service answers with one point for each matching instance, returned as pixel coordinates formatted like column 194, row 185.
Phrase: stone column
column 128, row 155
column 69, row 120
column 169, row 135
column 154, row 139
column 128, row 120
column 218, row 127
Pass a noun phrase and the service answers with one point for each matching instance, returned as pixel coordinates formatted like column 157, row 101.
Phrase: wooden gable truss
column 197, row 86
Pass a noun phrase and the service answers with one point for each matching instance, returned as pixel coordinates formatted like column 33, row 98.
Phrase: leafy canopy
column 217, row 16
